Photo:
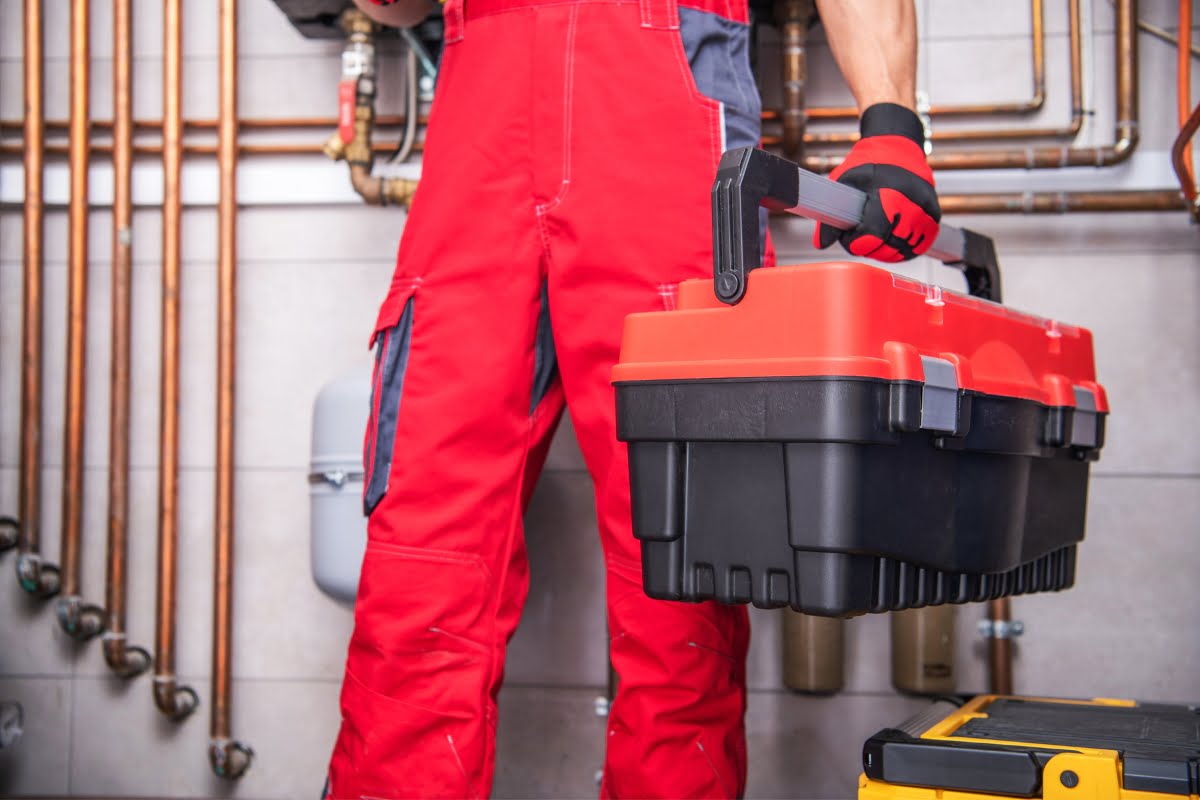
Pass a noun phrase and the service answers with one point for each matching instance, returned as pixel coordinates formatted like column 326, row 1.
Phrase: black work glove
column 900, row 217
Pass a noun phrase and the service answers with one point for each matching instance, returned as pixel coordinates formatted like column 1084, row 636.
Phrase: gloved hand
column 900, row 218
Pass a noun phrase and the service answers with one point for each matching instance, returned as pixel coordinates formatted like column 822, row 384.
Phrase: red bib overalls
column 570, row 155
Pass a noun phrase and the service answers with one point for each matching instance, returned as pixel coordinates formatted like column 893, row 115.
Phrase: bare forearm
column 875, row 45
column 400, row 14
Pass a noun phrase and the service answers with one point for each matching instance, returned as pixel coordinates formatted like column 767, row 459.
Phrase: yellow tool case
column 998, row 747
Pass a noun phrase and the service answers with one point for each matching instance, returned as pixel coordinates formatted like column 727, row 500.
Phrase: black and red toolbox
column 840, row 439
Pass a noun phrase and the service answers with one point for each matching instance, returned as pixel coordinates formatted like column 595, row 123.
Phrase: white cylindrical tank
column 335, row 480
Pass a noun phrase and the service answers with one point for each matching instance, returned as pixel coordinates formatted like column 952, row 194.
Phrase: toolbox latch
column 1085, row 430
column 939, row 397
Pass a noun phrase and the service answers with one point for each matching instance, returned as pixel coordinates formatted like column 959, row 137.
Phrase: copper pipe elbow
column 37, row 577
column 229, row 759
column 125, row 661
column 79, row 620
column 175, row 701
column 10, row 533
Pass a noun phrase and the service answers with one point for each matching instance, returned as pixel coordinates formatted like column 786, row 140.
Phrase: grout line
column 70, row 731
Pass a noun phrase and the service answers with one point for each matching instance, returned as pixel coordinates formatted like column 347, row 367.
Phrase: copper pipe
column 1125, row 136
column 1000, row 647
column 992, row 134
column 1180, row 150
column 228, row 758
column 78, row 619
column 124, row 660
column 245, row 149
column 35, row 576
column 1030, row 106
column 173, row 700
column 1183, row 72
column 1062, row 202
column 794, row 18
column 249, row 123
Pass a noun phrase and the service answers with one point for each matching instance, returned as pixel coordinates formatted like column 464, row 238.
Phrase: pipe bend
column 228, row 758
column 175, row 701
column 10, row 533
column 79, row 620
column 125, row 660
column 37, row 577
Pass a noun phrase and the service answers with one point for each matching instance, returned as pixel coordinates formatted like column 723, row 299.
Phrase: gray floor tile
column 37, row 763
column 550, row 744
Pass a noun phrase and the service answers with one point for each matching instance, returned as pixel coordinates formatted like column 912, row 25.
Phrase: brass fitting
column 335, row 148
column 377, row 191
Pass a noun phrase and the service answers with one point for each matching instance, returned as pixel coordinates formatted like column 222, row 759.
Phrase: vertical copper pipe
column 173, row 700
column 228, row 758
column 794, row 18
column 1183, row 72
column 77, row 619
column 124, row 660
column 1000, row 646
column 34, row 576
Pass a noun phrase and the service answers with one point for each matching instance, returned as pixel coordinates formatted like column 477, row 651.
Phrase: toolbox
column 995, row 747
column 840, row 439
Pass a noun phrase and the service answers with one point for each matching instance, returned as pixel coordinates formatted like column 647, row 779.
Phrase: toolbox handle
column 748, row 178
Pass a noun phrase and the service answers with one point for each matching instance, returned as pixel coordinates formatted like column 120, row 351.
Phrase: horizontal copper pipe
column 994, row 134
column 249, row 124
column 1029, row 106
column 245, row 149
column 1062, row 202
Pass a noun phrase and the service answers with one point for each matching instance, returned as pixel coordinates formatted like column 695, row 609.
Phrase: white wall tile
column 1139, row 308
column 38, row 762
column 118, row 731
column 1127, row 629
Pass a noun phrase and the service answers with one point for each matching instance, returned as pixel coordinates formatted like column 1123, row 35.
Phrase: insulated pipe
column 228, row 758
column 78, row 619
column 794, row 18
column 35, row 576
column 124, row 660
column 173, row 700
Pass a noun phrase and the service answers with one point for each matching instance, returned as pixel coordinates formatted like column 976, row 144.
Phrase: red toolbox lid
column 850, row 319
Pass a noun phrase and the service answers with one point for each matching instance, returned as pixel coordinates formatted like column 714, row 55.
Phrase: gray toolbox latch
column 939, row 398
column 1085, row 429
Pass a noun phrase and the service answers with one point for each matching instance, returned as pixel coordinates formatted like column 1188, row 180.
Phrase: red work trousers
column 566, row 183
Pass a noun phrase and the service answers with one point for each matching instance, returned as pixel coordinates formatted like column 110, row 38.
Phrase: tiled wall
column 310, row 275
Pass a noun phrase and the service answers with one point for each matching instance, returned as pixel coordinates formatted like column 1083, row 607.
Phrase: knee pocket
column 422, row 633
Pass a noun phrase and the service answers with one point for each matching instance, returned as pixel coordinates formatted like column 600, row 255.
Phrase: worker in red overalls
column 566, row 180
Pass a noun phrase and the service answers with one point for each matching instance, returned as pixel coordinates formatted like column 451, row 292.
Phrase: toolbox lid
column 850, row 319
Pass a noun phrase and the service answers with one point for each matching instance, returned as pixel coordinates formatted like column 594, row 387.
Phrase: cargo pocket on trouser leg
column 414, row 718
column 391, row 361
